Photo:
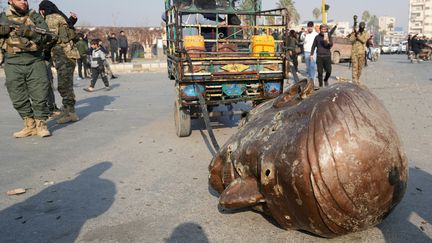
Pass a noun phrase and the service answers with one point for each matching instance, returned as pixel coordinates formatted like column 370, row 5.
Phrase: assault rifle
column 355, row 23
column 16, row 25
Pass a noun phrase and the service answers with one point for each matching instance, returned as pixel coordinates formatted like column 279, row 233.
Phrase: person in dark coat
column 323, row 44
column 416, row 45
column 293, row 43
column 114, row 46
column 123, row 45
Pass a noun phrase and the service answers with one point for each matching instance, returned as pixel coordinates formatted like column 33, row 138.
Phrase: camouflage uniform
column 358, row 54
column 64, row 54
column 26, row 75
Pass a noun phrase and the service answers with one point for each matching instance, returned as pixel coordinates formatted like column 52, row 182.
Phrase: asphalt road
column 121, row 174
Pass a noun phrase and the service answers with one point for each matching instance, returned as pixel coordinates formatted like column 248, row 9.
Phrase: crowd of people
column 418, row 46
column 42, row 40
column 315, row 44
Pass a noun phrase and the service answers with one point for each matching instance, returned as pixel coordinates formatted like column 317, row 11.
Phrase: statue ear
column 241, row 193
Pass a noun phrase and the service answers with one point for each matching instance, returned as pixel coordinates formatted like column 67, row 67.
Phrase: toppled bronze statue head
column 330, row 163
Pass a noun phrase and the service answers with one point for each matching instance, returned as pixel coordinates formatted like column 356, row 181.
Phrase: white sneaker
column 78, row 79
column 89, row 89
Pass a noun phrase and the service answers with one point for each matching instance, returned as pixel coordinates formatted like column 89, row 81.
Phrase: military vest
column 16, row 44
column 65, row 44
column 358, row 47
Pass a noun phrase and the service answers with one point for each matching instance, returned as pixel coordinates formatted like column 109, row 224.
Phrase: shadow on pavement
column 208, row 142
column 90, row 105
column 58, row 213
column 84, row 108
column 219, row 122
column 416, row 205
column 188, row 232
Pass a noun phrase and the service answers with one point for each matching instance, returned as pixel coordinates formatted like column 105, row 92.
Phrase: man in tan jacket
column 358, row 53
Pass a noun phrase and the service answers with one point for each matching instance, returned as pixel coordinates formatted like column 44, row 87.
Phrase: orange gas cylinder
column 194, row 44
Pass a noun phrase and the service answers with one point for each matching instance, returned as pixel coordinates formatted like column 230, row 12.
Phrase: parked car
column 385, row 49
column 341, row 49
column 394, row 48
column 403, row 46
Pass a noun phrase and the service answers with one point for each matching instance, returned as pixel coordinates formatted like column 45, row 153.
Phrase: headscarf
column 50, row 8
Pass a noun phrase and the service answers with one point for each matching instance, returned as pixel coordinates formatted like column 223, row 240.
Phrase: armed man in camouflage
column 358, row 53
column 64, row 54
column 26, row 75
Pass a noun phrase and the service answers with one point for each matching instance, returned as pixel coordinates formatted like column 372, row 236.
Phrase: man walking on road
column 358, row 40
column 123, row 44
column 26, row 75
column 323, row 44
column 64, row 54
column 307, row 47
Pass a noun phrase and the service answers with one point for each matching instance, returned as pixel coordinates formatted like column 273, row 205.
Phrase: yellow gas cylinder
column 193, row 42
column 263, row 45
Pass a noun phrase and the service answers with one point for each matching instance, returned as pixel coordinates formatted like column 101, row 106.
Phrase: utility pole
column 324, row 12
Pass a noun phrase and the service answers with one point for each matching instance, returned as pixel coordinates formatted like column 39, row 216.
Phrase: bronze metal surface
column 329, row 163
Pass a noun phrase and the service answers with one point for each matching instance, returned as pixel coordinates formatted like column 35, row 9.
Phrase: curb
column 125, row 68
column 138, row 67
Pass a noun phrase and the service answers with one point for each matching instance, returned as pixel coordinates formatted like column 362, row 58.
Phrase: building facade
column 420, row 17
column 386, row 24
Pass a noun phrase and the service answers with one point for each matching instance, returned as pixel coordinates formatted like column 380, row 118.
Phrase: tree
column 366, row 16
column 293, row 15
column 373, row 24
column 316, row 13
column 382, row 34
column 245, row 4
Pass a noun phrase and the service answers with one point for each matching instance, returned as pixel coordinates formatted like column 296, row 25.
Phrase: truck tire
column 182, row 120
column 336, row 57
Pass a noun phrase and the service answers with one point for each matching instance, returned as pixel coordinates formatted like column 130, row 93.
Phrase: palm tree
column 382, row 34
column 390, row 26
column 293, row 15
column 247, row 5
column 316, row 13
column 366, row 16
column 373, row 24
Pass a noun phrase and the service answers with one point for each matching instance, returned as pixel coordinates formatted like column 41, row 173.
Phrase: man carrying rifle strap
column 26, row 75
column 358, row 40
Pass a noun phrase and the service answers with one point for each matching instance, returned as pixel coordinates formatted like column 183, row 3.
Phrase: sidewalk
column 137, row 65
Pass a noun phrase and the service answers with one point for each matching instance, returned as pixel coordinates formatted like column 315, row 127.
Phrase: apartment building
column 420, row 17
column 386, row 23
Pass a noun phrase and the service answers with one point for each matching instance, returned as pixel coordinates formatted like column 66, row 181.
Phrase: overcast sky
column 148, row 12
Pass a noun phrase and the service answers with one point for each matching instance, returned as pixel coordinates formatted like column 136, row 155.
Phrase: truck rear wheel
column 182, row 120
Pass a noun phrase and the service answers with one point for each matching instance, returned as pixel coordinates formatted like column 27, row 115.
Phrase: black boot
column 320, row 82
